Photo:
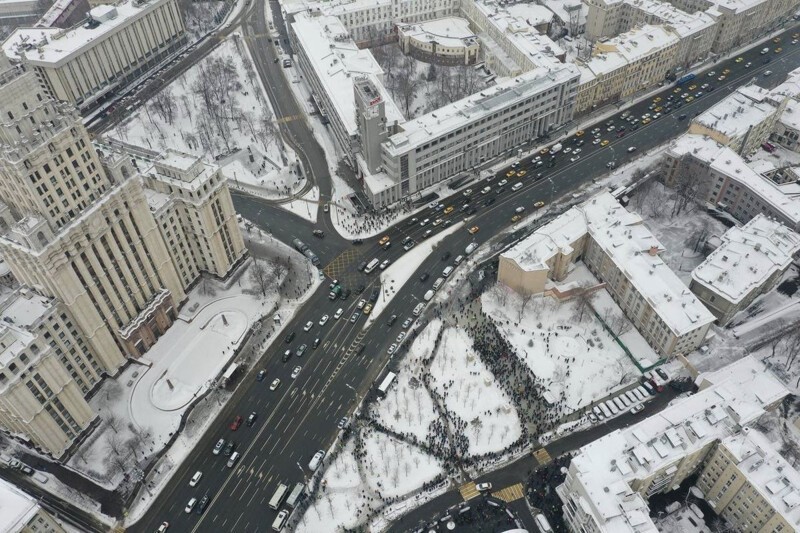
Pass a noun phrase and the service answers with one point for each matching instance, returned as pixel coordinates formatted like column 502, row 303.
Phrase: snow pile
column 578, row 362
column 469, row 391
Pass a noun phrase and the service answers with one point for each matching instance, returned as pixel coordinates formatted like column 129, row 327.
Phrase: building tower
column 371, row 119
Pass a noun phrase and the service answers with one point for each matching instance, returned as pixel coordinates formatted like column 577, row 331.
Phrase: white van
column 458, row 259
column 517, row 186
column 233, row 458
column 429, row 295
column 471, row 248
column 195, row 479
column 447, row 271
column 418, row 309
column 438, row 283
column 316, row 460
column 280, row 520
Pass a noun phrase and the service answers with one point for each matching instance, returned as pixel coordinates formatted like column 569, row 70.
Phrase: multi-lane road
column 300, row 416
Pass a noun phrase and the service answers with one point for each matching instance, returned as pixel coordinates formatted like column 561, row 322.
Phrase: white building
column 610, row 479
column 750, row 262
column 118, row 44
column 19, row 513
column 620, row 251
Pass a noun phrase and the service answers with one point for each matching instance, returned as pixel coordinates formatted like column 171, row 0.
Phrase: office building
column 22, row 514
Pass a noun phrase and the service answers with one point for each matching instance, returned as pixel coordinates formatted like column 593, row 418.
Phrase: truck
column 556, row 148
column 686, row 78
column 336, row 291
column 299, row 245
column 311, row 256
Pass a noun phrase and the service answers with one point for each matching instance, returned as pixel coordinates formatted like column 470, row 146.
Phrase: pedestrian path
column 510, row 494
column 468, row 491
column 542, row 457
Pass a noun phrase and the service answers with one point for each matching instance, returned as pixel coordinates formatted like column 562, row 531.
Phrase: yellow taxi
column 739, row 59
column 544, row 151
column 726, row 71
column 473, row 230
column 367, row 308
column 522, row 173
column 647, row 120
column 538, row 204
column 516, row 218
column 604, row 143
column 579, row 133
column 692, row 87
column 383, row 240
column 778, row 50
column 690, row 99
column 776, row 40
column 659, row 109
column 448, row 209
column 796, row 36
column 510, row 173
column 677, row 90
column 657, row 99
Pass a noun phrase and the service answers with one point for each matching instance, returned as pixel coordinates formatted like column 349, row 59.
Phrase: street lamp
column 305, row 479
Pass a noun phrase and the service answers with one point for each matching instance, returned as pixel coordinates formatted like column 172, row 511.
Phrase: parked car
column 636, row 408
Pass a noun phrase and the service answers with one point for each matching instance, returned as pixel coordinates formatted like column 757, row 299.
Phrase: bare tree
column 617, row 323
column 163, row 103
column 406, row 82
column 583, row 300
column 279, row 269
column 687, row 188
column 526, row 298
column 260, row 276
column 114, row 422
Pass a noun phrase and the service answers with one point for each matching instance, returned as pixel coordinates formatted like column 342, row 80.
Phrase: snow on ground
column 246, row 141
column 395, row 468
column 613, row 316
column 396, row 275
column 470, row 391
column 576, row 360
column 407, row 407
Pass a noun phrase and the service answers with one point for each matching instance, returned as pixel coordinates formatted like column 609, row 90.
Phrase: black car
column 229, row 448
column 445, row 256
column 318, row 233
column 392, row 320
column 424, row 276
column 286, row 355
column 661, row 373
column 472, row 211
column 362, row 265
column 345, row 294
column 413, row 221
column 315, row 343
column 374, row 296
column 202, row 504
column 289, row 337
column 488, row 202
column 252, row 419
column 387, row 245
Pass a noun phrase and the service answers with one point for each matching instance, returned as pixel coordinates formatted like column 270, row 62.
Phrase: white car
column 324, row 320
column 308, row 326
column 190, row 505
column 195, row 479
column 573, row 159
column 338, row 314
column 577, row 151
column 596, row 141
column 218, row 446
column 401, row 336
column 483, row 487
column 387, row 261
column 296, row 371
column 567, row 150
column 361, row 303
column 275, row 384
column 424, row 222
column 502, row 182
column 636, row 408
column 467, row 192
column 631, row 149
column 392, row 349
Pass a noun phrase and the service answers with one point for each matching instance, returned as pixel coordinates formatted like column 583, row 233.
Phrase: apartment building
column 749, row 262
column 723, row 179
column 117, row 44
column 22, row 514
column 446, row 41
column 626, row 65
column 787, row 129
column 46, row 369
column 743, row 120
column 619, row 250
column 193, row 209
column 610, row 480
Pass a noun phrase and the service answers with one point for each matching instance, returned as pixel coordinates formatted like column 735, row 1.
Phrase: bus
column 296, row 495
column 383, row 388
column 372, row 265
column 686, row 78
column 278, row 497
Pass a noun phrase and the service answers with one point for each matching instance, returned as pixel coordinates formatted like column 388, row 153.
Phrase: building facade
column 117, row 45
column 22, row 514
column 47, row 369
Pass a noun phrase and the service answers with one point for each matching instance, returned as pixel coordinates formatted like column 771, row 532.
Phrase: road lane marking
column 511, row 493
column 468, row 490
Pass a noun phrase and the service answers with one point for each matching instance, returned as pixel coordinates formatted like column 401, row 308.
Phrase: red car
column 236, row 423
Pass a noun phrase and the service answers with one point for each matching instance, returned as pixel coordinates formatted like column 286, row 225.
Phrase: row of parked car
column 633, row 400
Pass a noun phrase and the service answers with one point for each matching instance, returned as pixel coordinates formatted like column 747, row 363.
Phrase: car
column 538, row 204
column 275, row 384
column 218, row 446
column 385, row 263
column 721, row 78
column 165, row 525
column 391, row 321
column 252, row 419
column 229, row 448
column 662, row 374
column 573, row 159
column 449, row 209
column 778, row 50
column 261, row 374
column 657, row 99
column 468, row 192
column 387, row 245
column 308, row 326
column 748, row 65
column 406, row 323
column 323, row 320
column 436, row 222
column 510, row 173
column 301, row 350
column 604, row 143
column 579, row 133
column 342, row 423
column 489, row 201
column 361, row 303
column 413, row 222
column 596, row 141
column 190, row 505
column 338, row 314
column 483, row 487
column 544, row 151
column 659, row 109
column 315, row 343
column 296, row 371
column 620, row 135
column 318, row 233
column 473, row 230
column 776, row 40
column 401, row 336
column 289, row 337
column 237, row 422
column 690, row 98
column 678, row 89
column 424, row 276
column 739, row 59
column 203, row 503
column 644, row 121
column 578, row 150
column 383, row 240
column 631, row 149
column 637, row 408
column 354, row 317
column 424, row 222
column 392, row 349
column 358, row 241
column 367, row 309
column 520, row 209
column 692, row 87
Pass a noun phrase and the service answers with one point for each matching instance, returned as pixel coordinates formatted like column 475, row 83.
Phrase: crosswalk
column 468, row 491
column 542, row 456
column 510, row 494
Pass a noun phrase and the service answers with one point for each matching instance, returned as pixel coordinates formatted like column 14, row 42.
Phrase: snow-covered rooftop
column 337, row 61
column 53, row 46
column 748, row 257
column 449, row 31
column 185, row 171
column 629, row 47
column 16, row 507
column 470, row 109
column 734, row 115
column 630, row 245
column 791, row 115
column 659, row 442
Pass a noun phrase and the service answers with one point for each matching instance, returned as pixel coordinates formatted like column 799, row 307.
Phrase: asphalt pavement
column 300, row 417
